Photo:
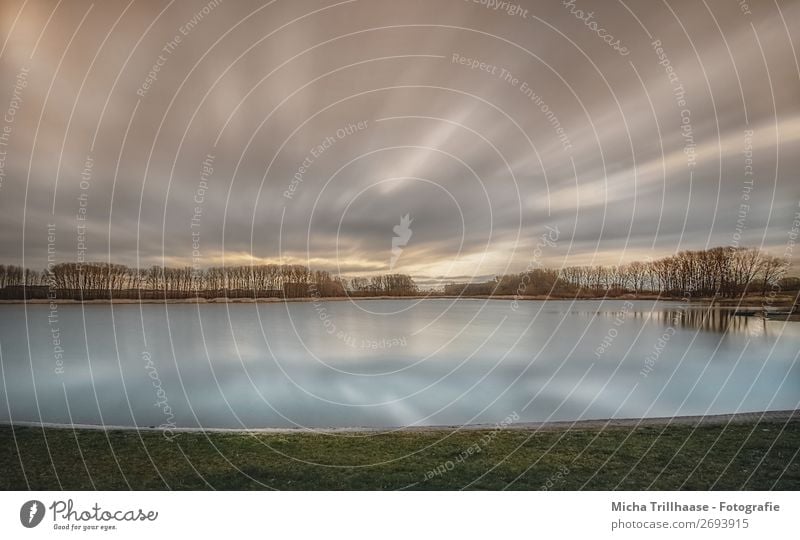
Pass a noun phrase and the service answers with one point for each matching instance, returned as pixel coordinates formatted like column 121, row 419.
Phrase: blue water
column 389, row 363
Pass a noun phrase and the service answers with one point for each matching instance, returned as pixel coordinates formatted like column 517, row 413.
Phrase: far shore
column 755, row 301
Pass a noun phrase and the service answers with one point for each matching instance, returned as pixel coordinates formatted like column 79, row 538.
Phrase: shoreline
column 726, row 302
column 750, row 451
column 553, row 426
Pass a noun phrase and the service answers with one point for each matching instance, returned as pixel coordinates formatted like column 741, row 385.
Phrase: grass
column 739, row 456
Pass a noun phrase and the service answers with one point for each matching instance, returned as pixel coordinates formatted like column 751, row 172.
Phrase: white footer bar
column 356, row 515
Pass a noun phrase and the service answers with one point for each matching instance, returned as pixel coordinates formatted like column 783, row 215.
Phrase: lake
column 384, row 363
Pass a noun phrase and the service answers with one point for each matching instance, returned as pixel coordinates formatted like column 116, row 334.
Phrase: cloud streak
column 473, row 152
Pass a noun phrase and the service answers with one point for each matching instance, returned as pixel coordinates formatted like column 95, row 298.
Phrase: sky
column 511, row 135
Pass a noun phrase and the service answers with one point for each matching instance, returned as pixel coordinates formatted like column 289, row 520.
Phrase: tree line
column 99, row 280
column 720, row 271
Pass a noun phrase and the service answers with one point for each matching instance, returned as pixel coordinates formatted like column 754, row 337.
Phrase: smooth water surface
column 388, row 362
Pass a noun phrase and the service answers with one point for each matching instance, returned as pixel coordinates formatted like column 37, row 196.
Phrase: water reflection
column 692, row 317
column 712, row 320
column 433, row 362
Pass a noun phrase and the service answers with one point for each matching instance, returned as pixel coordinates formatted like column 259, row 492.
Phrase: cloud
column 552, row 129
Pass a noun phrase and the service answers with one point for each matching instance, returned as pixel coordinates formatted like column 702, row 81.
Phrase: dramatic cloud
column 210, row 132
